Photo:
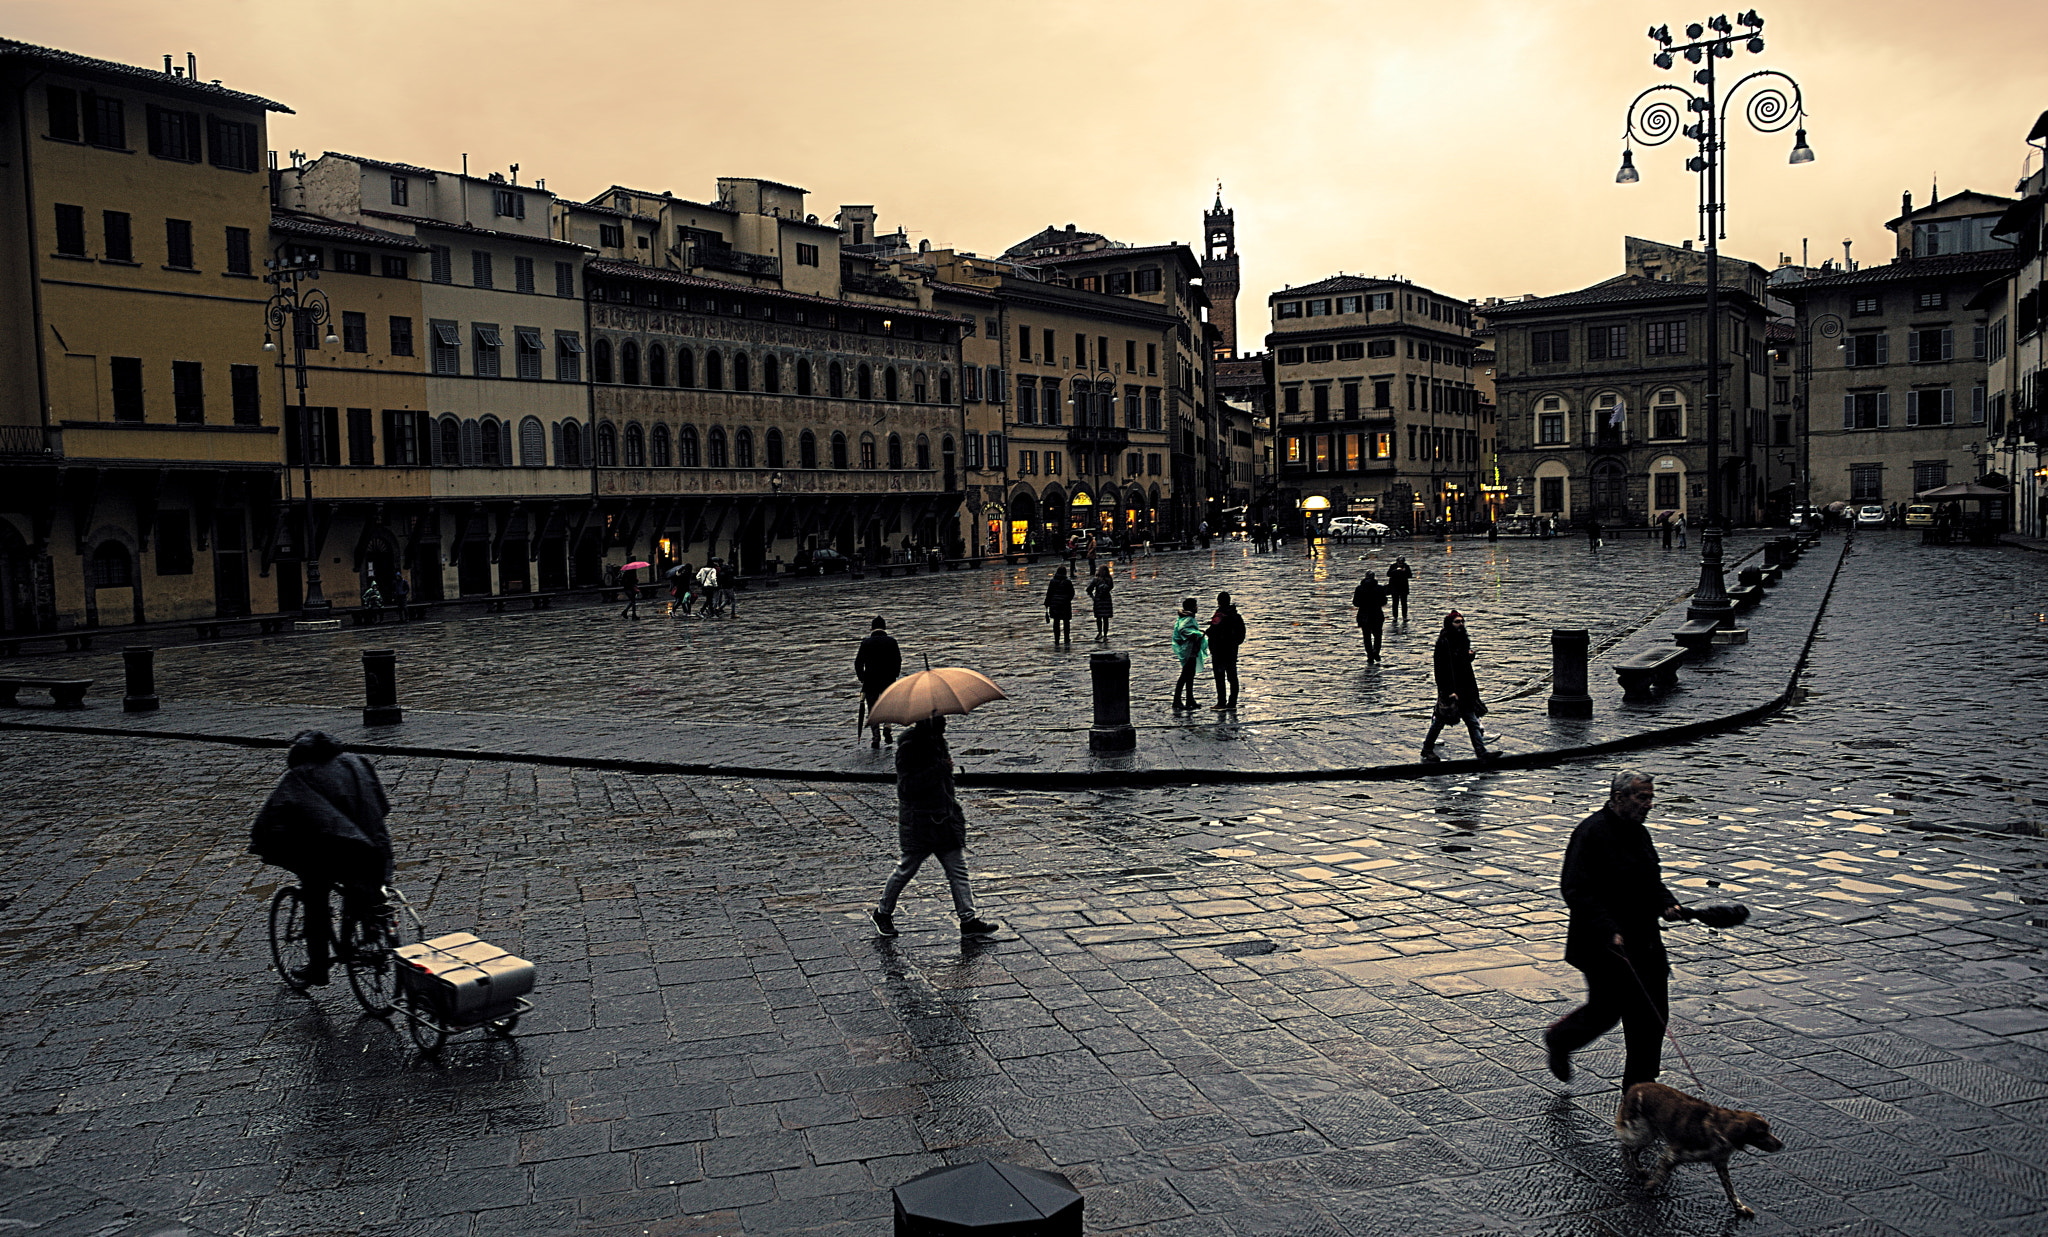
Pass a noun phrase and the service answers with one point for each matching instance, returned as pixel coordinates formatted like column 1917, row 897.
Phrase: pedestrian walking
column 630, row 581
column 1202, row 533
column 403, row 592
column 876, row 665
column 929, row 823
column 1398, row 577
column 1187, row 647
column 1059, row 606
column 1457, row 690
column 707, row 586
column 1099, row 590
column 1370, row 599
column 728, row 588
column 1616, row 894
column 1593, row 533
column 325, row 823
column 1681, row 532
column 1665, row 520
column 1226, row 635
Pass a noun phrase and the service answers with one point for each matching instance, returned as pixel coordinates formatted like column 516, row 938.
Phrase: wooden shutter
column 330, row 419
column 1848, row 412
column 1948, row 403
column 1884, row 347
column 1948, row 343
column 1884, row 409
column 1913, row 347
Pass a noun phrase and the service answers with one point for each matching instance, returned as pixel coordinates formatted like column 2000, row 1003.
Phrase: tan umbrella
column 933, row 693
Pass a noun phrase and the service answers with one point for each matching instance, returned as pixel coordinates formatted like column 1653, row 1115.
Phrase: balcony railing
column 23, row 440
column 734, row 260
column 1099, row 435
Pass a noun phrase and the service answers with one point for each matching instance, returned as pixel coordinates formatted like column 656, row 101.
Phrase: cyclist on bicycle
column 325, row 822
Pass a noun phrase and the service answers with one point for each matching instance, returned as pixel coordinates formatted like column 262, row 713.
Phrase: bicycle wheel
column 289, row 952
column 426, row 1030
column 372, row 970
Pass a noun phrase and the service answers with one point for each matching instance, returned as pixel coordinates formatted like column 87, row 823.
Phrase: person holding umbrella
column 929, row 821
column 631, row 584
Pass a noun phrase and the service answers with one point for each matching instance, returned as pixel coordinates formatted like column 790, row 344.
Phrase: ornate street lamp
column 297, row 313
column 1654, row 120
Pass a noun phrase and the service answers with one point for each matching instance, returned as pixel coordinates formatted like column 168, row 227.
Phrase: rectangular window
column 1130, row 356
column 1550, row 429
column 1288, row 309
column 1931, row 407
column 1347, row 304
column 71, row 230
column 1930, row 475
column 1027, row 402
column 1928, row 346
column 522, row 275
column 1147, row 280
column 1288, row 356
column 231, row 144
column 1550, row 347
column 565, row 279
column 1866, row 483
column 1871, row 349
column 178, row 243
column 355, row 332
column 401, row 191
column 611, row 235
column 479, row 268
column 1027, row 462
column 1379, row 348
column 526, row 340
column 997, row 391
column 238, row 259
column 63, row 112
column 1606, row 343
column 127, row 378
column 1319, row 309
column 1867, row 410
column 998, row 457
column 1667, row 491
column 1354, row 351
column 568, row 357
column 1322, row 450
column 806, row 255
column 401, row 336
column 1864, row 306
column 484, row 360
column 1048, row 401
column 447, row 346
column 1350, row 399
column 105, row 122
column 1102, row 352
column 114, row 229
column 362, row 445
column 505, row 204
column 1152, row 421
column 1550, row 495
column 1321, row 353
column 443, row 265
column 1930, row 300
column 174, row 134
column 188, row 393
column 1977, row 405
column 242, row 393
column 174, row 543
column 403, row 430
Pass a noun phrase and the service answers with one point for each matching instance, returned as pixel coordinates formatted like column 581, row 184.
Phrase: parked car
column 1805, row 517
column 1871, row 516
column 1347, row 526
column 1919, row 515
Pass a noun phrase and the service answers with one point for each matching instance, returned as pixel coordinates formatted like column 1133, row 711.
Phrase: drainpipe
column 35, row 265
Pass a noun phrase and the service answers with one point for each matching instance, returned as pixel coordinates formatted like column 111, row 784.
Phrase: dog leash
column 1668, row 1032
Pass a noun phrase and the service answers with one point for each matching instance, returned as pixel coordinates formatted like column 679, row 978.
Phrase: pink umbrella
column 635, row 566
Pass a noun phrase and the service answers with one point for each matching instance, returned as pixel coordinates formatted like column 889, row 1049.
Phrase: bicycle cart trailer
column 458, row 983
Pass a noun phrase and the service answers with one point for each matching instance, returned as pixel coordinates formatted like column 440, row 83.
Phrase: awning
column 529, row 337
column 444, row 334
column 487, row 336
column 568, row 341
column 1963, row 489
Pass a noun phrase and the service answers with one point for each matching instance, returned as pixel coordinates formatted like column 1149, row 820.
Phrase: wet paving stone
column 721, row 1046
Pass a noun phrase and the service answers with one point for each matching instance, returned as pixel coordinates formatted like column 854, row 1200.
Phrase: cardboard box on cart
column 461, row 978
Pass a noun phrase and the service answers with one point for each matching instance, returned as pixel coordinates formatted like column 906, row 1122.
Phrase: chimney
column 167, row 64
column 192, row 65
column 1906, row 202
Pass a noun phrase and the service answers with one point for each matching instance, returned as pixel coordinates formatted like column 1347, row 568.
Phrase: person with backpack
column 1370, row 599
column 1226, row 635
column 707, row 587
column 325, row 823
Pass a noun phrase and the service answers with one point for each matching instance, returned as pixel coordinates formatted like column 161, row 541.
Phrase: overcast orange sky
column 1468, row 146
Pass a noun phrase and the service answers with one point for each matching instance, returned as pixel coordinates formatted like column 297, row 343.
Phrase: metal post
column 1568, row 695
column 380, row 688
column 1710, row 597
column 140, row 662
column 1110, row 675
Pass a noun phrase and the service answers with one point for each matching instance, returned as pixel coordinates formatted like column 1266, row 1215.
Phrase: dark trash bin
column 988, row 1200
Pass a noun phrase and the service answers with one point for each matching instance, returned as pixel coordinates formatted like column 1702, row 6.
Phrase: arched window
column 601, row 360
column 629, row 363
column 924, row 451
column 838, row 449
column 449, row 440
column 774, row 445
column 864, row 382
column 889, row 384
column 686, row 368
column 607, row 446
column 636, row 446
column 533, row 443
column 771, row 375
column 743, row 448
column 1667, row 410
column 918, row 389
column 741, row 379
column 686, row 447
column 835, row 381
column 714, row 449
column 491, row 445
column 111, row 566
column 570, row 455
column 945, row 386
column 807, row 450
column 867, row 451
column 657, row 366
column 660, row 453
column 895, row 451
column 714, row 371
column 803, row 376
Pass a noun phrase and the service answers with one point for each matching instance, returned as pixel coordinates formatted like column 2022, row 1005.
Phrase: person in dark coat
column 1226, row 635
column 1099, row 593
column 1370, row 600
column 876, row 666
column 1457, row 690
column 1593, row 533
column 929, row 822
column 325, row 823
column 1616, row 894
column 1398, row 576
column 1059, row 606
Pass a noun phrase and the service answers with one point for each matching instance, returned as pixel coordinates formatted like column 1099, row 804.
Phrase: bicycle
column 364, row 945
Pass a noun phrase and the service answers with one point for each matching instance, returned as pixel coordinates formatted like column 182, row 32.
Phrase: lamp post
column 300, row 312
column 1654, row 120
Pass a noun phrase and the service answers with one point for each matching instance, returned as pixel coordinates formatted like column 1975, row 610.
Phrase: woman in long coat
column 1059, row 606
column 1188, row 642
column 1457, row 690
column 1099, row 590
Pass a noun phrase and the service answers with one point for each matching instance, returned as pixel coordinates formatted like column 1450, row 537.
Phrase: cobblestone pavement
column 1225, row 1011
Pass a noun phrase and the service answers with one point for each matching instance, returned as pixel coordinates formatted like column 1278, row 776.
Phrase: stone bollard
column 1568, row 695
column 140, row 661
column 380, row 688
column 1774, row 553
column 1111, row 675
column 1751, row 577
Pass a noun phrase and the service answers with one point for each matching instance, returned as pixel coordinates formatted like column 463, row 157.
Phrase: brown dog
column 1692, row 1131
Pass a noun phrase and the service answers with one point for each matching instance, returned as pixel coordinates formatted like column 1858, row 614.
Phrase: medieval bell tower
column 1219, row 272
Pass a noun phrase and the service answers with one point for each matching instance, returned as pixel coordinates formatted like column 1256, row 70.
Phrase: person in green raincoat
column 1187, row 646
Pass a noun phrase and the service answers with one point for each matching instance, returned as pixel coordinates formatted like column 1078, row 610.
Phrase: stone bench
column 1697, row 637
column 64, row 693
column 1648, row 672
